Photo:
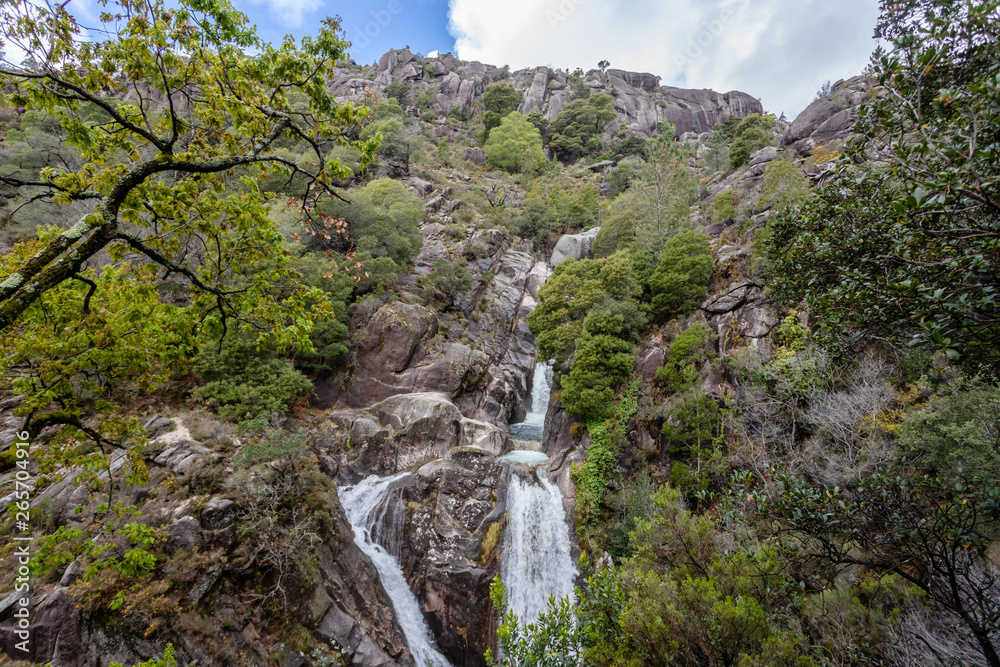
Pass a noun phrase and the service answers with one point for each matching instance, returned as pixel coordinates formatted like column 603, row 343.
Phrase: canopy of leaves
column 681, row 281
column 515, row 146
column 576, row 130
column 907, row 245
column 499, row 100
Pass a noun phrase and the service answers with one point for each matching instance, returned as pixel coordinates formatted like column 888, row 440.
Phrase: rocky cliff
column 641, row 102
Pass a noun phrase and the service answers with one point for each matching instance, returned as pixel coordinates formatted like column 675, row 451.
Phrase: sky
column 780, row 51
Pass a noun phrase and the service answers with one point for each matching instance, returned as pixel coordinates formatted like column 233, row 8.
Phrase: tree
column 177, row 112
column 681, row 281
column 904, row 244
column 667, row 175
column 499, row 100
column 575, row 131
column 752, row 134
column 515, row 146
column 933, row 535
column 399, row 91
column 603, row 65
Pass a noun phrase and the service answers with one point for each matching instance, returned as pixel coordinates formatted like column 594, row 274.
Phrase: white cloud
column 289, row 13
column 778, row 50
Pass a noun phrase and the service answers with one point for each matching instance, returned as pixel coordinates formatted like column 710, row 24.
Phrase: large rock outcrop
column 829, row 118
column 642, row 103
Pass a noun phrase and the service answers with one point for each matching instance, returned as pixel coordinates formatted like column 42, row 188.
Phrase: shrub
column 499, row 100
column 752, row 134
column 681, row 281
column 679, row 371
column 961, row 431
column 242, row 382
column 515, row 146
column 576, row 130
column 724, row 207
column 785, row 186
column 400, row 92
column 602, row 362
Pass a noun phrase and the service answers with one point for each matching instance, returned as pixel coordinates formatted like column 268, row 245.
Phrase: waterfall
column 536, row 561
column 530, row 430
column 376, row 521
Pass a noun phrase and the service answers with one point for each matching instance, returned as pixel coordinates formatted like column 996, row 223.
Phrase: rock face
column 398, row 349
column 829, row 118
column 642, row 103
column 452, row 505
column 347, row 607
column 574, row 246
column 400, row 432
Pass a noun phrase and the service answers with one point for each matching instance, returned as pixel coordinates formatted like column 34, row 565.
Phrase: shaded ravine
column 367, row 504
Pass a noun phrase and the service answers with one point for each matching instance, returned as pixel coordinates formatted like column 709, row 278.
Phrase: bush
column 515, row 146
column 785, row 186
column 400, row 92
column 957, row 432
column 576, row 130
column 602, row 362
column 724, row 207
column 681, row 281
column 752, row 134
column 242, row 382
column 679, row 371
column 383, row 220
column 499, row 100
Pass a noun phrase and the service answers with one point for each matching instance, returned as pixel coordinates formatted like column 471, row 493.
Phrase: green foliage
column 656, row 204
column 576, row 130
column 399, row 91
column 399, row 141
column 499, row 100
column 933, row 533
column 553, row 208
column 752, row 134
column 265, row 445
column 383, row 221
column 242, row 381
column 693, row 428
column 167, row 660
column 449, row 279
column 679, row 371
column 147, row 183
column 633, row 145
column 592, row 477
column 907, row 247
column 602, row 362
column 724, row 207
column 541, row 123
column 621, row 178
column 602, row 290
column 515, row 146
column 330, row 336
column 681, row 281
column 785, row 186
column 955, row 433
column 553, row 641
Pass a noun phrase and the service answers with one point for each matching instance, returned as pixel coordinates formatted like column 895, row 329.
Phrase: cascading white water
column 536, row 561
column 370, row 510
column 531, row 429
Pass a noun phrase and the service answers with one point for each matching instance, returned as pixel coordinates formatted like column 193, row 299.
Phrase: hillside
column 313, row 363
